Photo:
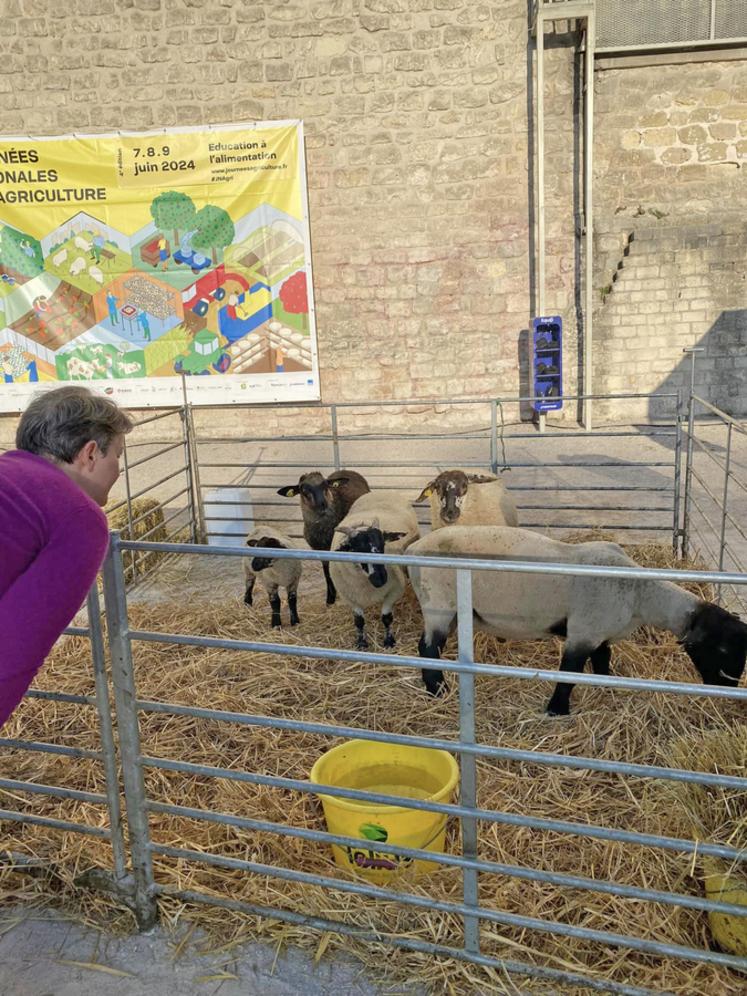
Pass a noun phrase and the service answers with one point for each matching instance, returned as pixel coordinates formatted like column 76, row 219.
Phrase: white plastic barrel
column 228, row 516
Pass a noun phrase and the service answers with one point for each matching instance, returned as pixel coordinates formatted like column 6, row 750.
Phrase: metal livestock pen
column 647, row 487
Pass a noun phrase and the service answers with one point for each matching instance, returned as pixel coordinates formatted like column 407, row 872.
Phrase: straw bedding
column 604, row 724
column 147, row 519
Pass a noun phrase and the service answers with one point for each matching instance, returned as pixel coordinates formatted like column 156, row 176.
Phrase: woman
column 54, row 534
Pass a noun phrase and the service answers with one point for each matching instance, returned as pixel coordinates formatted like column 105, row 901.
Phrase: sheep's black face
column 716, row 642
column 262, row 563
column 368, row 541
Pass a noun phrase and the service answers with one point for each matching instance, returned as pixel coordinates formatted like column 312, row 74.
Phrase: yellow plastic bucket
column 389, row 769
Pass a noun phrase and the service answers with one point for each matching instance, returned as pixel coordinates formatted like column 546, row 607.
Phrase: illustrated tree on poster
column 294, row 297
column 214, row 229
column 20, row 252
column 173, row 211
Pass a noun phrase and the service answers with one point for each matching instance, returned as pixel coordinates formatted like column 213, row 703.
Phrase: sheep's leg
column 431, row 646
column 361, row 642
column 572, row 660
column 275, row 621
column 331, row 590
column 292, row 608
column 387, row 619
column 249, row 589
column 600, row 659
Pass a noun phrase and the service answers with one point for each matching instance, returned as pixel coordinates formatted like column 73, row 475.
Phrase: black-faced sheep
column 377, row 523
column 589, row 612
column 458, row 498
column 273, row 573
column 325, row 501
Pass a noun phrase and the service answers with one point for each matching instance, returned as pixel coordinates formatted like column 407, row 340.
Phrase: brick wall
column 416, row 118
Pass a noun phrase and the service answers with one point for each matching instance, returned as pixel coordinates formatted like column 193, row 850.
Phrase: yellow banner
column 139, row 259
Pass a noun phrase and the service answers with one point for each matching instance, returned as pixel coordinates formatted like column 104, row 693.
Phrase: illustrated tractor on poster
column 204, row 352
column 186, row 253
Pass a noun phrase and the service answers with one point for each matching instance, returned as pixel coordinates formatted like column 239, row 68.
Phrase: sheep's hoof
column 295, row 622
column 248, row 600
column 557, row 710
column 276, row 624
column 389, row 640
column 361, row 643
column 437, row 689
column 331, row 597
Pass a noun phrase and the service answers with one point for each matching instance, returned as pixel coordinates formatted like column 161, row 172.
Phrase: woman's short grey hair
column 59, row 423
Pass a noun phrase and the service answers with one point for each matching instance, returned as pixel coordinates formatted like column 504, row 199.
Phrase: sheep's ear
column 479, row 479
column 289, row 491
column 251, row 542
column 391, row 537
column 345, row 530
column 426, row 492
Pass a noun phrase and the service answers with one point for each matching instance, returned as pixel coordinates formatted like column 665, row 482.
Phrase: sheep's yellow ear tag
column 428, row 492
column 336, row 484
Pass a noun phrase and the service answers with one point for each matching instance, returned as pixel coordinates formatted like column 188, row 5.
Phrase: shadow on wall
column 720, row 370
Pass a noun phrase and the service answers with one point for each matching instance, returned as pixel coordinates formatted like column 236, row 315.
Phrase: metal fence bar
column 477, row 433
column 106, row 732
column 553, row 927
column 488, row 815
column 36, row 788
column 560, row 879
column 38, row 693
column 468, row 766
column 580, row 763
column 408, row 944
column 722, row 539
column 40, row 747
column 189, row 467
column 155, row 418
column 158, row 453
column 131, row 560
column 115, row 599
column 676, row 532
column 53, row 824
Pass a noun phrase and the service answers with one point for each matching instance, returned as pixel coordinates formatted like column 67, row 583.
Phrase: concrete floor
column 44, row 954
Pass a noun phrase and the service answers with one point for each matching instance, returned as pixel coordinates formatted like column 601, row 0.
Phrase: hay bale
column 615, row 725
column 147, row 523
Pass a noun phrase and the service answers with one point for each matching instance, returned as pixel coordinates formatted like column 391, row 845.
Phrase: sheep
column 96, row 274
column 325, row 501
column 588, row 612
column 274, row 574
column 59, row 258
column 81, row 243
column 77, row 266
column 469, row 500
column 378, row 522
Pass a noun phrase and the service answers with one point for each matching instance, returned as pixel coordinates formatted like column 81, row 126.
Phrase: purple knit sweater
column 53, row 538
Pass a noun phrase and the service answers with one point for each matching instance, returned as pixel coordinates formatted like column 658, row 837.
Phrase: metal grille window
column 657, row 23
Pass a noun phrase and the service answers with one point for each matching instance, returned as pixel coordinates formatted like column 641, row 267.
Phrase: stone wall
column 417, row 122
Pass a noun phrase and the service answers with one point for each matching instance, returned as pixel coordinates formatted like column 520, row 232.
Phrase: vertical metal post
column 688, row 478
column 199, row 507
column 115, row 600
column 109, row 754
column 193, row 527
column 540, row 53
column 677, row 476
column 712, row 26
column 689, row 461
column 468, row 782
column 130, row 528
column 588, row 215
column 335, row 438
column 494, row 436
column 722, row 541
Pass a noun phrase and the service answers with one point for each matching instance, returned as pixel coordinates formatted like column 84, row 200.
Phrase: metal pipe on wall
column 547, row 13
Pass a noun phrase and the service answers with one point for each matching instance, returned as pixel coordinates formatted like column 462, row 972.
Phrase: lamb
column 77, row 266
column 378, row 522
column 589, row 612
column 469, row 500
column 96, row 274
column 59, row 257
column 325, row 501
column 274, row 573
column 81, row 243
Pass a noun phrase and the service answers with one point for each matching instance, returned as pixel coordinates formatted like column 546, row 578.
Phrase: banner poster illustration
column 135, row 262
